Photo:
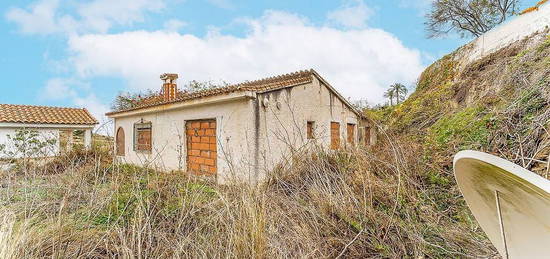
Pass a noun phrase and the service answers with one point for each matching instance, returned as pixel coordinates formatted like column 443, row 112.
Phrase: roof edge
column 332, row 89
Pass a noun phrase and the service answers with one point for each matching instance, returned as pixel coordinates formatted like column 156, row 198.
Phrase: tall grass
column 352, row 204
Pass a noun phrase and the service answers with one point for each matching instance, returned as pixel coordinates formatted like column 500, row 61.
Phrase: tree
column 390, row 93
column 467, row 17
column 28, row 143
column 195, row 85
column 399, row 92
column 125, row 100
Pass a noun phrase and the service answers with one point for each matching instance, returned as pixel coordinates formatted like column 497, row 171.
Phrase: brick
column 195, row 125
column 195, row 139
column 194, row 153
column 201, row 133
column 198, row 160
column 210, row 162
column 212, row 147
column 194, row 166
column 197, row 146
column 205, row 125
column 190, row 132
column 205, row 139
column 203, row 146
column 205, row 154
column 204, row 168
column 212, row 140
column 213, row 155
column 212, row 169
column 210, row 132
column 212, row 125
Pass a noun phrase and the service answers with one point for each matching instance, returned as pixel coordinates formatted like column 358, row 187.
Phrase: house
column 240, row 131
column 53, row 126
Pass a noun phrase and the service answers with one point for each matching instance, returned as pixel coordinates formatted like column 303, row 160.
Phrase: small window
column 367, row 136
column 334, row 135
column 351, row 133
column 120, row 142
column 310, row 130
column 143, row 137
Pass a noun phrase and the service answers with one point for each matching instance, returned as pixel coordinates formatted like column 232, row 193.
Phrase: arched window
column 120, row 142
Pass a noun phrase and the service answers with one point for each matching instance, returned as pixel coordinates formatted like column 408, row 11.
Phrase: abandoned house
column 60, row 128
column 240, row 131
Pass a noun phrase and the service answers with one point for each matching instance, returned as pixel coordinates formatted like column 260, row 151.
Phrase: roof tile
column 11, row 113
column 262, row 85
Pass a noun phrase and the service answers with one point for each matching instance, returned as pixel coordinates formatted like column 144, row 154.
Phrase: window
column 142, row 137
column 367, row 136
column 334, row 135
column 310, row 130
column 120, row 142
column 351, row 133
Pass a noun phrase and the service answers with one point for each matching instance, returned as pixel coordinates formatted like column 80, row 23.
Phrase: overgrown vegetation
column 352, row 203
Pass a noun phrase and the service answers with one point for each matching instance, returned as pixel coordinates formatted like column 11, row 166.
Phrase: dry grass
column 352, row 204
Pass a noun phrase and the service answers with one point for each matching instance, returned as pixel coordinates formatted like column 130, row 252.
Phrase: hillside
column 498, row 104
column 397, row 199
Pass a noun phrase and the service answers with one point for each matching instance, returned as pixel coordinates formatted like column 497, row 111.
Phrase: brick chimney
column 169, row 87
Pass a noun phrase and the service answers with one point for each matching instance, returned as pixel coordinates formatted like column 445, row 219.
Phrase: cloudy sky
column 82, row 53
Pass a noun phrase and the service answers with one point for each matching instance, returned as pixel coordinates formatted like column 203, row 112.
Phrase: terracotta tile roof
column 10, row 113
column 262, row 85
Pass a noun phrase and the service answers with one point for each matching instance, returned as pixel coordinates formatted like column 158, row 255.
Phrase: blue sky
column 82, row 53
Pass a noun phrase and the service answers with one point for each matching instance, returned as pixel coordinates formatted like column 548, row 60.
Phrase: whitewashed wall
column 283, row 123
column 234, row 125
column 43, row 135
column 511, row 31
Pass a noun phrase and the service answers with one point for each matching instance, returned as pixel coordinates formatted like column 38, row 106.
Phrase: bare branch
column 467, row 17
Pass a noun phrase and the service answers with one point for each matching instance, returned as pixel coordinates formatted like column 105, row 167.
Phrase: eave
column 185, row 104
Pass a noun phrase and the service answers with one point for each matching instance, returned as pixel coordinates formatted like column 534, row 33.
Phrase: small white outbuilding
column 53, row 128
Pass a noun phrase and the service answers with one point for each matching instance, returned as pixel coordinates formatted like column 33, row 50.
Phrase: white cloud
column 77, row 92
column 40, row 19
column 101, row 15
column 361, row 63
column 94, row 106
column 58, row 89
column 354, row 14
column 98, row 16
column 174, row 25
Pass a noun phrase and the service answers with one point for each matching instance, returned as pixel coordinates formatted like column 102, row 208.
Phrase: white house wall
column 283, row 123
column 43, row 135
column 234, row 136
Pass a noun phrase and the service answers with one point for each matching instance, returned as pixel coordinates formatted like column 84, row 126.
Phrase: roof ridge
column 280, row 76
column 261, row 80
column 40, row 106
column 259, row 85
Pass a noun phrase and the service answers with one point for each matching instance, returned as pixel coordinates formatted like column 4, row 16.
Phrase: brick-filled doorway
column 201, row 147
column 334, row 135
